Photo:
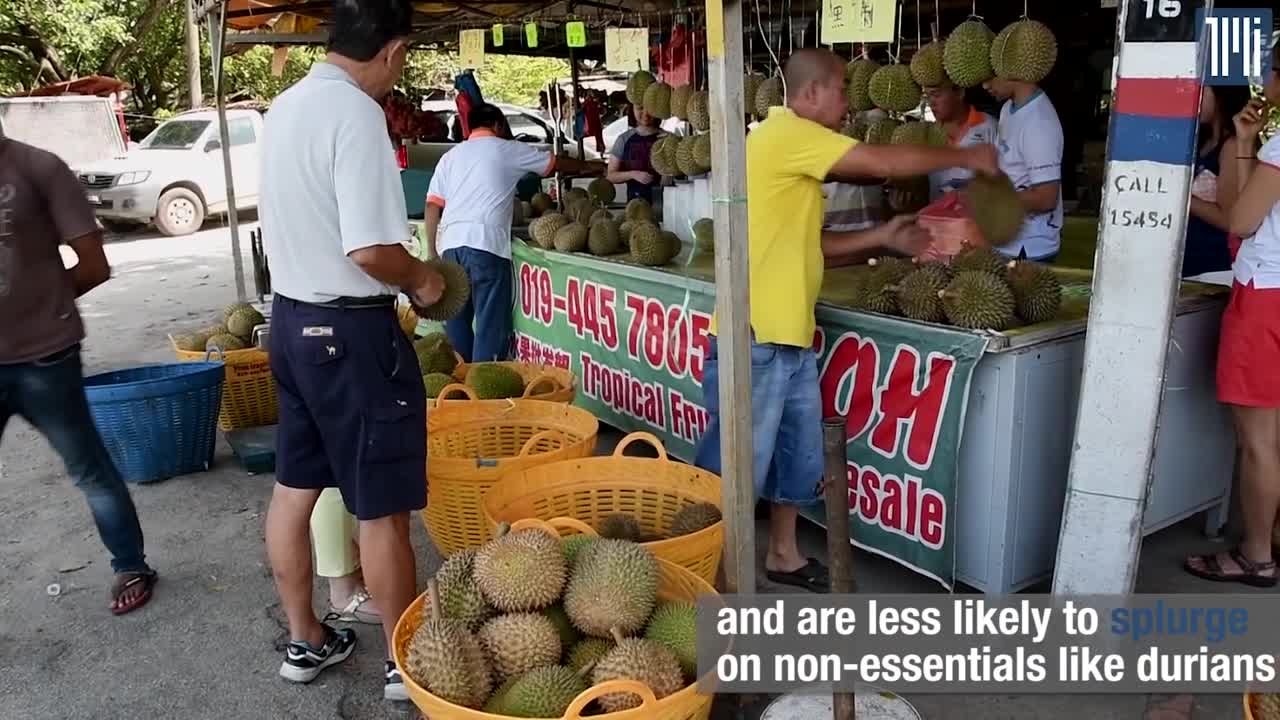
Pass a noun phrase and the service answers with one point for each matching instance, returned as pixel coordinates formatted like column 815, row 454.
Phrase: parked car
column 175, row 176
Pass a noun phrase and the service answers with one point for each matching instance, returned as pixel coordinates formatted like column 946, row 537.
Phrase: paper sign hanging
column 497, row 36
column 471, row 48
column 858, row 21
column 626, row 49
column 531, row 34
column 576, row 34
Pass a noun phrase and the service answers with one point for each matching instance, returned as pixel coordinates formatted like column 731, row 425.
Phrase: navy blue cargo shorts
column 352, row 407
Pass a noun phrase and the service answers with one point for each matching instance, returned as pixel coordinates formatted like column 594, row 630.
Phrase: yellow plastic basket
column 249, row 393
column 589, row 489
column 471, row 444
column 541, row 382
column 674, row 584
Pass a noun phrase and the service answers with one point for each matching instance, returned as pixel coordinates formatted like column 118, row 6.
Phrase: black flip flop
column 1250, row 572
column 813, row 576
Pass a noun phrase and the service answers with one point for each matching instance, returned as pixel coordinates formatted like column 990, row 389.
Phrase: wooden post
column 217, row 30
column 835, row 441
column 194, row 83
column 733, row 300
column 1151, row 149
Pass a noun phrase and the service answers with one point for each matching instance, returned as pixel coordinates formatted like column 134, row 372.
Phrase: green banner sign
column 636, row 337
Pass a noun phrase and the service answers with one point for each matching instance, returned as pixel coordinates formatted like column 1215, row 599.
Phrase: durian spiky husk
column 892, row 88
column 674, row 626
column 1037, row 291
column 694, row 517
column 750, row 83
column 459, row 592
column 982, row 259
column 918, row 133
column 768, row 95
column 620, row 526
column 881, row 131
column 543, row 230
column 641, row 660
column 1025, row 50
column 546, row 692
column 448, row 660
column 699, row 111
column 657, row 100
column 858, row 73
column 457, row 290
column 521, row 571
column 996, row 208
column 614, row 585
column 637, row 84
column 520, row 642
column 926, row 65
column 588, row 651
column 680, row 101
column 1265, row 706
column 978, row 301
column 571, row 238
column 918, row 293
column 967, row 54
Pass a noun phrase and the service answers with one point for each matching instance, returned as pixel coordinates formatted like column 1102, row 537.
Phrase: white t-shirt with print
column 1029, row 142
column 475, row 183
column 1259, row 257
column 330, row 185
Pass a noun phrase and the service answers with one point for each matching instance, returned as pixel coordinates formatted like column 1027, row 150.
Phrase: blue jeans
column 489, row 307
column 49, row 394
column 786, row 422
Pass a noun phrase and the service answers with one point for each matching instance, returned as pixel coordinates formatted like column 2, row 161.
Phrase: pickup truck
column 175, row 176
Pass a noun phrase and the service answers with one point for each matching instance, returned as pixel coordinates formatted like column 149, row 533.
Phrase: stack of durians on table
column 526, row 623
column 488, row 381
column 586, row 225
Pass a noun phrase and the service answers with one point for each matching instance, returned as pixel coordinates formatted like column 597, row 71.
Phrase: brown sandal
column 1251, row 573
column 140, row 583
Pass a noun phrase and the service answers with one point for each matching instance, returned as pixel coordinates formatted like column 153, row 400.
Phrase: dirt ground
column 209, row 644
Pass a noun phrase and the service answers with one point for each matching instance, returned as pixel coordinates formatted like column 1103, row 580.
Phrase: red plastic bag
column 950, row 224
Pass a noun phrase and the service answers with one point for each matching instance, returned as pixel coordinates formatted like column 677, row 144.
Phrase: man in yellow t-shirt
column 789, row 157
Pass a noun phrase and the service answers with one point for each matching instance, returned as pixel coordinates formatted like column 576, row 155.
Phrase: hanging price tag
column 497, row 36
column 471, row 48
column 576, row 34
column 626, row 49
column 858, row 21
column 531, row 34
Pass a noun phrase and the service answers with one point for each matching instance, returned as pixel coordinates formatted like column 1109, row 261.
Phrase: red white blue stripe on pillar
column 1156, row 102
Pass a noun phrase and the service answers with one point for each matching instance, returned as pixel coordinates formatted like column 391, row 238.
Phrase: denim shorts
column 786, row 422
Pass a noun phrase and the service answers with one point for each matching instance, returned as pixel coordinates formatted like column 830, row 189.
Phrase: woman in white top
column 1249, row 350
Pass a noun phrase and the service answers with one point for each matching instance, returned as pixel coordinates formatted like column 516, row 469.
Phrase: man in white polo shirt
column 468, row 220
column 1029, row 142
column 965, row 126
column 352, row 406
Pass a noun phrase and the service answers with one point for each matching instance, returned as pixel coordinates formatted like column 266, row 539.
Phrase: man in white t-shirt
column 468, row 220
column 1029, row 143
column 352, row 405
column 964, row 125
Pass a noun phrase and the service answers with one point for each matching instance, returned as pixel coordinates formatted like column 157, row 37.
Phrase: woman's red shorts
column 1249, row 348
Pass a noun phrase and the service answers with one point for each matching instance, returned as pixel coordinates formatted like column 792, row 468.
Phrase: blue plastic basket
column 158, row 421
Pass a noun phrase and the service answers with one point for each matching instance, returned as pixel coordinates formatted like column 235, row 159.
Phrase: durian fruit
column 545, row 692
column 521, row 571
column 579, row 210
column 661, row 159
column 674, row 626
column 918, row 133
column 225, row 342
column 878, row 293
column 702, row 152
column 433, row 383
column 569, row 634
column 624, row 231
column 571, row 238
column 1025, row 50
column 459, row 592
column 891, row 88
column 587, row 652
column 217, row 329
column 881, row 131
column 191, row 342
column 457, row 290
column 637, row 84
column 526, row 213
column 233, row 308
column 544, row 229
column 497, row 702
column 603, row 238
column 982, row 259
column 769, row 94
column 599, row 215
column 1037, row 291
column 699, row 111
column 573, row 546
column 858, row 73
column 750, row 83
column 684, row 156
column 575, row 194
column 638, row 209
column 694, row 517
column 435, row 354
column 674, row 244
column 541, row 203
column 657, row 100
column 242, row 322
column 704, row 235
column 648, row 247
column 680, row 101
column 912, row 194
column 492, row 381
column 601, row 191
column 520, row 642
column 620, row 526
column 447, row 660
column 967, row 54
column 1265, row 706
column 978, row 301
column 614, row 585
column 918, row 293
column 641, row 660
column 926, row 65
column 996, row 208
column 857, row 127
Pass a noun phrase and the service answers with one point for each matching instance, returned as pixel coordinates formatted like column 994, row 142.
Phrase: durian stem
column 433, row 593
column 617, row 635
column 585, row 671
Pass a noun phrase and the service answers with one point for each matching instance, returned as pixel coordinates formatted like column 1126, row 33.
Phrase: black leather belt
column 358, row 303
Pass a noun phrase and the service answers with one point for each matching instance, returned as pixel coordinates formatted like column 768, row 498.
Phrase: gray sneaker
column 393, row 686
column 302, row 662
